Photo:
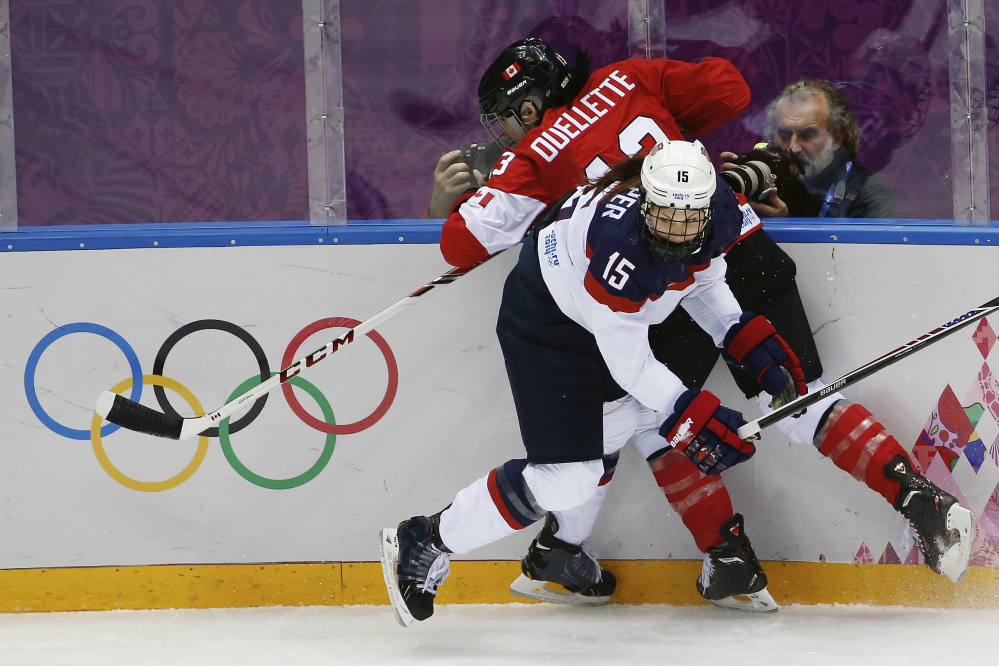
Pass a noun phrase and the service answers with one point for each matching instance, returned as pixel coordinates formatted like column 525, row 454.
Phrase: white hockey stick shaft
column 753, row 428
column 133, row 416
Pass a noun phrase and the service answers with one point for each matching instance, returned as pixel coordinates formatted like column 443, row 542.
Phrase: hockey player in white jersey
column 613, row 259
column 635, row 103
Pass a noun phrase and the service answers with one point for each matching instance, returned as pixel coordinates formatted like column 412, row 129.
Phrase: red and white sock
column 859, row 444
column 702, row 501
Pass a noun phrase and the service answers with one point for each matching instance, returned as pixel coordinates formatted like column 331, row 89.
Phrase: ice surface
column 504, row 634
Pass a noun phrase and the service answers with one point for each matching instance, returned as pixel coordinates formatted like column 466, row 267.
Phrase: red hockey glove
column 706, row 432
column 753, row 345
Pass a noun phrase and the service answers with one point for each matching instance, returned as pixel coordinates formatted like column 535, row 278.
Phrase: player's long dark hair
column 627, row 175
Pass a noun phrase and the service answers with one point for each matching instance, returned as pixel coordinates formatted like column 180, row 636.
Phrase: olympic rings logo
column 136, row 383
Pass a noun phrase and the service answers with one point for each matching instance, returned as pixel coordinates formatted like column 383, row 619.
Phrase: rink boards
column 395, row 423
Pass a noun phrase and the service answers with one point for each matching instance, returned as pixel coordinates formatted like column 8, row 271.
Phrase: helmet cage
column 656, row 224
column 506, row 128
column 677, row 178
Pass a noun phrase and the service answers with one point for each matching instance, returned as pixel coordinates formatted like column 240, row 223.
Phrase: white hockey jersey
column 602, row 276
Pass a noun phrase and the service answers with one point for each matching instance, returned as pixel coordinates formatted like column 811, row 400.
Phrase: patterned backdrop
column 158, row 111
column 192, row 111
column 410, row 73
column 889, row 58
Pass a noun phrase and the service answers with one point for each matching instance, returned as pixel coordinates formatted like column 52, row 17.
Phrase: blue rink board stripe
column 369, row 232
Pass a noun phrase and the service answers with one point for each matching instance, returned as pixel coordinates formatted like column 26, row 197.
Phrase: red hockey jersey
column 624, row 109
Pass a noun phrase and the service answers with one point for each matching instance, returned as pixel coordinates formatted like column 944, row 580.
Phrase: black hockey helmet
column 529, row 70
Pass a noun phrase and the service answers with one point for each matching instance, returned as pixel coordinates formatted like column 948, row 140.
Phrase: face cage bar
column 671, row 251
column 493, row 123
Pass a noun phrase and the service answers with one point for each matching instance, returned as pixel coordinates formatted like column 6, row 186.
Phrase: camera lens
column 751, row 179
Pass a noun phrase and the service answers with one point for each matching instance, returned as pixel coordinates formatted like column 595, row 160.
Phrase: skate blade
column 954, row 562
column 540, row 590
column 388, row 545
column 757, row 602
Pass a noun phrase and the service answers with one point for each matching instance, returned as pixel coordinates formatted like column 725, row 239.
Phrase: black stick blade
column 133, row 416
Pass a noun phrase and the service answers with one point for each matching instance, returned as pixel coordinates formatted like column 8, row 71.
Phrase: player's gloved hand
column 706, row 432
column 753, row 345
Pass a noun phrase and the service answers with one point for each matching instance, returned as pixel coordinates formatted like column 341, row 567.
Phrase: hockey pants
column 517, row 493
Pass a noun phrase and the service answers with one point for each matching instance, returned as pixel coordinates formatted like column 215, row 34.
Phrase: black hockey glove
column 753, row 345
column 706, row 432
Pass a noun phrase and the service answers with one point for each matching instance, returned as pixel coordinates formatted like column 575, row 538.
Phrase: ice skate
column 414, row 563
column 731, row 576
column 562, row 573
column 943, row 526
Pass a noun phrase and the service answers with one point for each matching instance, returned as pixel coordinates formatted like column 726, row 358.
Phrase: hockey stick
column 753, row 428
column 131, row 415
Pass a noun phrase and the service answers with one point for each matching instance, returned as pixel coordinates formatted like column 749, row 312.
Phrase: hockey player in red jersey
column 551, row 136
column 610, row 260
column 620, row 110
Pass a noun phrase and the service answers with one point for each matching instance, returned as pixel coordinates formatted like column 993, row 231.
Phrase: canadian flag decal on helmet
column 509, row 72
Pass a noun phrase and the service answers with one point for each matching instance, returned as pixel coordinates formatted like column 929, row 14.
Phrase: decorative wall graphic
column 958, row 450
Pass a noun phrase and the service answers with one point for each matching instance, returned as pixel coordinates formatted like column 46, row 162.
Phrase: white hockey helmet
column 676, row 176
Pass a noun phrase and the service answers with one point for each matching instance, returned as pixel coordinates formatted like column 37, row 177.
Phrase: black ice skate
column 414, row 563
column 562, row 573
column 731, row 576
column 943, row 527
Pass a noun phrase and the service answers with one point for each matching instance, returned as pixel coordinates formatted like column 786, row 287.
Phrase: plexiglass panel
column 410, row 74
column 158, row 111
column 889, row 58
column 8, row 186
column 190, row 111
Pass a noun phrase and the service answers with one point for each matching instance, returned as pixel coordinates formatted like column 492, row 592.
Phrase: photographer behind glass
column 810, row 167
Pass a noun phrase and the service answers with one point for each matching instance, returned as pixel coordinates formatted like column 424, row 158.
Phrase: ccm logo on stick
column 316, row 356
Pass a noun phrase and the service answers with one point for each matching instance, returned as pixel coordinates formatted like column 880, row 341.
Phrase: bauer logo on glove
column 683, row 433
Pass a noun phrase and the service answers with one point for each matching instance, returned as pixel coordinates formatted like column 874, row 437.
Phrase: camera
column 766, row 167
column 481, row 155
column 473, row 153
column 752, row 178
column 760, row 170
